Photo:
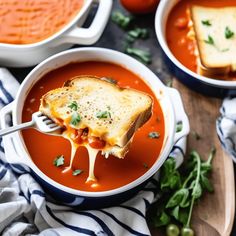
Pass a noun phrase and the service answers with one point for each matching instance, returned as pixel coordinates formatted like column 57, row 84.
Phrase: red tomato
column 140, row 6
column 96, row 143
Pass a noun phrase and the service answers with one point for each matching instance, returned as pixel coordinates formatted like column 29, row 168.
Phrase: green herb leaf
column 197, row 191
column 161, row 220
column 179, row 127
column 210, row 40
column 175, row 212
column 154, row 135
column 228, row 33
column 206, row 22
column 139, row 33
column 103, row 114
column 177, row 198
column 77, row 172
column 73, row 106
column 206, row 184
column 143, row 56
column 59, row 161
column 75, row 119
column 110, row 80
column 170, row 177
column 183, row 216
column 121, row 20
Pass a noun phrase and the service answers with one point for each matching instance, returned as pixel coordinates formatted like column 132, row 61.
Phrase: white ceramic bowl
column 169, row 99
column 208, row 86
column 14, row 55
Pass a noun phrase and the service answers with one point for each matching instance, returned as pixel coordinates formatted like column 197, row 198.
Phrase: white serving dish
column 169, row 99
column 16, row 55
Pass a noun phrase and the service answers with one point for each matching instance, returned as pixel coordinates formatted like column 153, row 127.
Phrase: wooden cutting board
column 214, row 214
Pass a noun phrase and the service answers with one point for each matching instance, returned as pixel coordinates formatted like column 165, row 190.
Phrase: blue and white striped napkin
column 24, row 209
column 226, row 126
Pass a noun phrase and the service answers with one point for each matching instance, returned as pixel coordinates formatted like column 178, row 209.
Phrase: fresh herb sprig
column 75, row 119
column 74, row 106
column 206, row 22
column 103, row 114
column 140, row 54
column 154, row 135
column 228, row 33
column 179, row 194
column 59, row 161
column 134, row 33
column 121, row 20
column 209, row 40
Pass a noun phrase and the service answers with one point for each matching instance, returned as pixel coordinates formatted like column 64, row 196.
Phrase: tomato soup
column 176, row 31
column 31, row 21
column 111, row 172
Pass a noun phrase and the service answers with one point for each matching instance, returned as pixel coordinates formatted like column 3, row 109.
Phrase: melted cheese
column 92, row 154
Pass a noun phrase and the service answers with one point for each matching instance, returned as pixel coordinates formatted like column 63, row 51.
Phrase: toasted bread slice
column 215, row 35
column 111, row 113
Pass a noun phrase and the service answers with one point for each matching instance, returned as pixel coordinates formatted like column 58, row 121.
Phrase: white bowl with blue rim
column 199, row 83
column 19, row 158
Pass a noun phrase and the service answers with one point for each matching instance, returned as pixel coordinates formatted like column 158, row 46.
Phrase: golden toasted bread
column 109, row 112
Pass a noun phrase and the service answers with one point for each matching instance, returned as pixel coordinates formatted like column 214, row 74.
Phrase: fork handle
column 16, row 128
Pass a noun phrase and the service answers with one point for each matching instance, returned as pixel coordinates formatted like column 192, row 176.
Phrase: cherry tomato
column 140, row 6
column 96, row 143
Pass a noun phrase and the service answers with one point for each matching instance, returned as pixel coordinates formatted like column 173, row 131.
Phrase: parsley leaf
column 77, row 172
column 121, row 20
column 210, row 40
column 103, row 114
column 154, row 135
column 73, row 106
column 179, row 127
column 75, row 119
column 139, row 33
column 228, row 33
column 206, row 22
column 141, row 55
column 59, row 161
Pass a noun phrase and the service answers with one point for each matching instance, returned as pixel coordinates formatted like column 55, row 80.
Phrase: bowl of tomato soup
column 172, row 29
column 117, row 179
column 34, row 30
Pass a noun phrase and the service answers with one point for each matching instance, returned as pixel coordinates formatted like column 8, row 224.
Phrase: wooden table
column 213, row 216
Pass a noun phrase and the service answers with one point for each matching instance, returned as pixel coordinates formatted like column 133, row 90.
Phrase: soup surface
column 30, row 21
column 111, row 172
column 176, row 31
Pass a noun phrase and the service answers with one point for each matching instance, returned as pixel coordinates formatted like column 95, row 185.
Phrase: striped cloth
column 226, row 126
column 24, row 209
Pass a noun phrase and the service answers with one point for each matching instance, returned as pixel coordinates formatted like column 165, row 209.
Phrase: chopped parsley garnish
column 145, row 165
column 228, row 33
column 75, row 119
column 73, row 106
column 206, row 22
column 103, row 114
column 121, row 20
column 210, row 40
column 139, row 33
column 110, row 80
column 154, row 135
column 141, row 55
column 179, row 127
column 77, row 172
column 59, row 161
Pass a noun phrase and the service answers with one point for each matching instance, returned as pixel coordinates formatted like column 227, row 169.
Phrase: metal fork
column 39, row 121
